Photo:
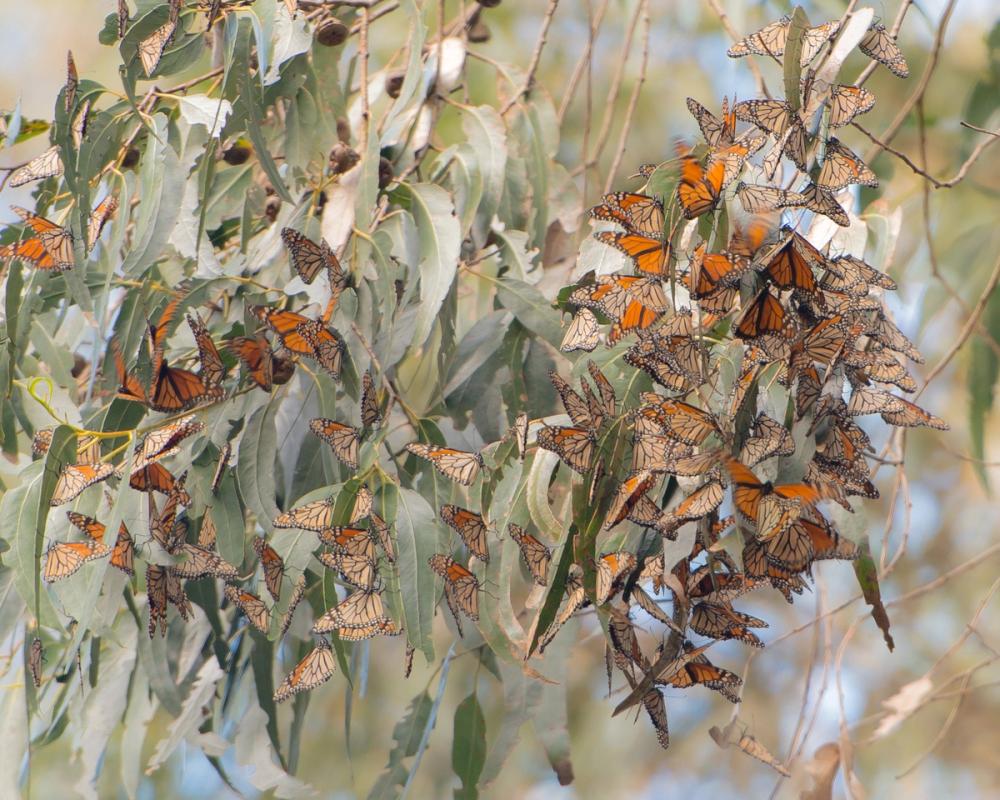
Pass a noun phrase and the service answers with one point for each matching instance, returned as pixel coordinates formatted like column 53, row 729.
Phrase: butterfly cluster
column 801, row 330
column 746, row 337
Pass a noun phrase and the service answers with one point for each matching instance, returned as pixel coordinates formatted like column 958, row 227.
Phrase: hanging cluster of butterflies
column 171, row 558
column 800, row 319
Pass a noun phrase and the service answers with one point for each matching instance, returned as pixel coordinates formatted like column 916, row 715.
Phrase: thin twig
column 584, row 62
column 536, row 57
column 633, row 101
column 937, row 184
column 758, row 76
column 925, row 80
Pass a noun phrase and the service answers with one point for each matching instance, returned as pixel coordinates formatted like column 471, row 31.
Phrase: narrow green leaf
column 793, row 57
column 984, row 369
column 531, row 309
column 406, row 736
column 468, row 747
column 867, row 574
column 557, row 587
column 418, row 537
column 255, row 470
column 440, row 244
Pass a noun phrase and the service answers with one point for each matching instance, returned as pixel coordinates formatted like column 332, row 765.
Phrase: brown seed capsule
column 272, row 207
column 332, row 33
column 131, row 158
column 479, row 32
column 385, row 172
column 282, row 370
column 393, row 83
column 343, row 130
column 342, row 158
column 238, row 153
column 488, row 3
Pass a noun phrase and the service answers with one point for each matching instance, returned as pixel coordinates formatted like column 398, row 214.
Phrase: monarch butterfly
column 89, row 525
column 272, row 564
column 74, row 478
column 312, row 671
column 853, row 276
column 848, row 102
column 579, row 410
column 722, row 622
column 252, row 607
column 604, row 387
column 616, row 294
column 637, row 213
column 717, row 132
column 370, row 414
column 129, row 386
column 713, row 279
column 290, row 329
column 207, row 533
column 822, row 343
column 164, row 441
column 827, row 542
column 199, row 562
column 123, row 17
column 770, row 438
column 156, row 598
column 734, row 156
column 748, row 490
column 841, row 167
column 535, row 554
column 756, row 199
column 163, row 524
column 822, row 201
column 779, row 119
column 151, row 48
column 212, row 368
column 611, row 567
column 645, row 356
column 455, row 465
column 72, row 83
column 123, row 553
column 314, row 516
column 50, row 249
column 718, row 587
column 651, row 256
column 221, row 465
column 630, row 491
column 63, row 559
column 701, row 502
column 364, row 500
column 771, row 40
column 357, row 570
column 256, row 355
column 308, row 258
column 763, row 314
column 35, row 658
column 298, row 592
column 699, row 670
column 637, row 317
column 758, row 567
column 575, row 446
column 100, row 216
column 884, row 331
column 656, row 708
column 41, row 441
column 880, row 45
column 46, row 165
column 520, row 430
column 343, row 439
column 354, row 541
column 326, row 345
column 584, row 332
column 679, row 420
column 789, row 263
column 575, row 598
column 894, row 410
column 384, row 537
column 361, row 610
column 699, row 188
column 460, row 587
column 470, row 527
column 176, row 389
column 653, row 451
